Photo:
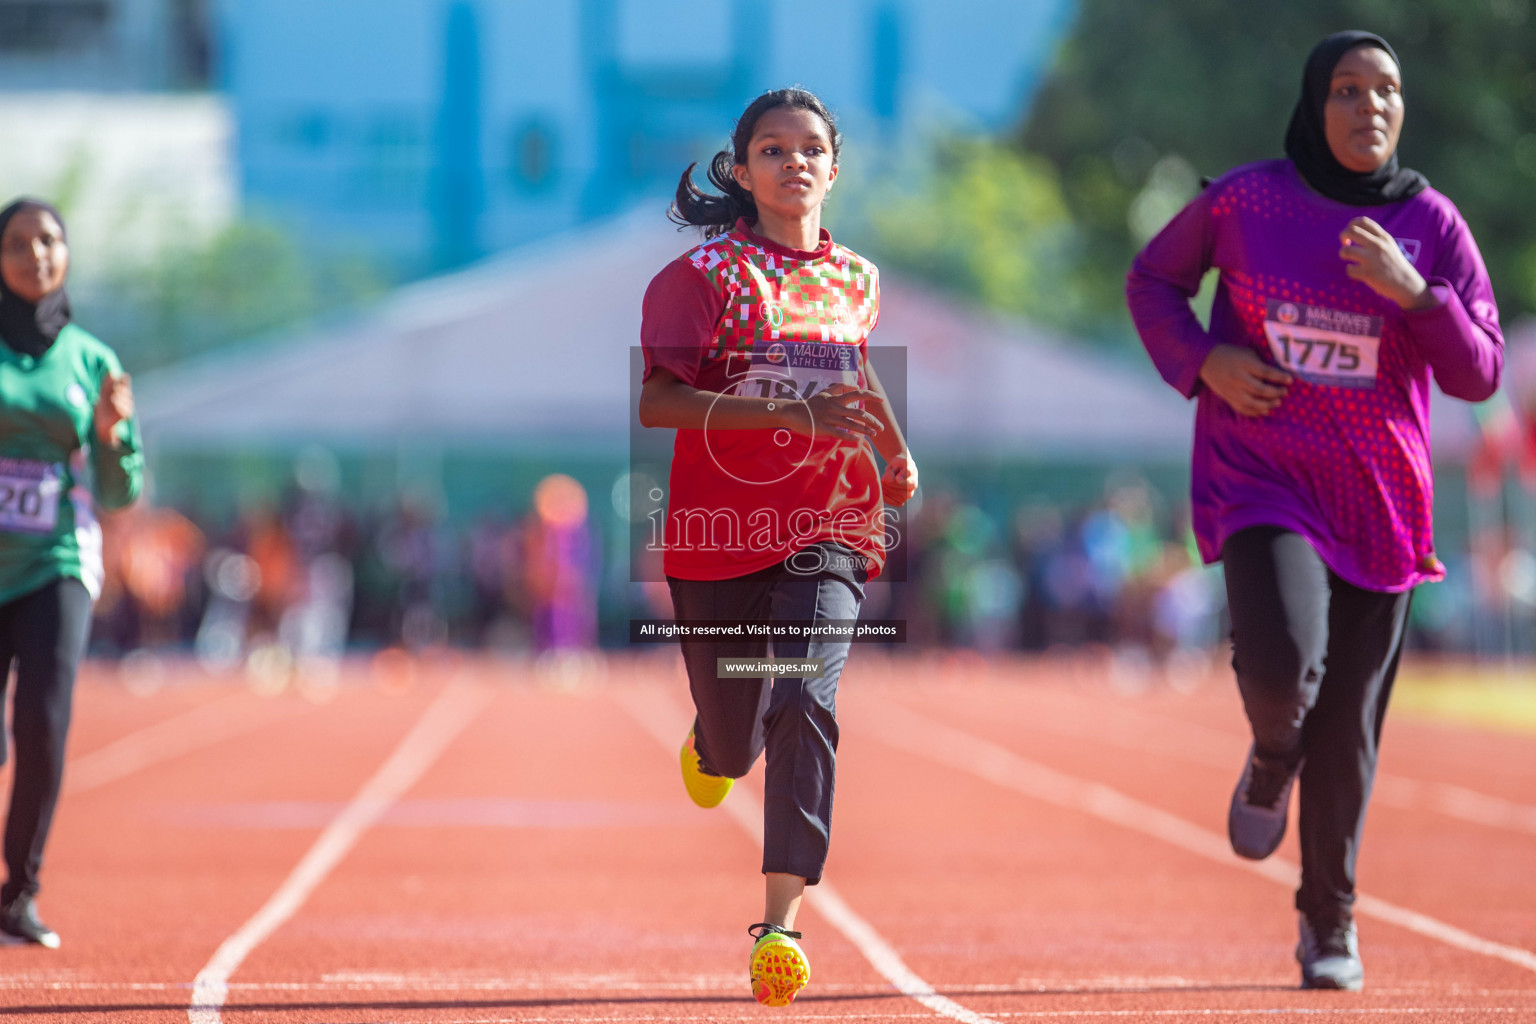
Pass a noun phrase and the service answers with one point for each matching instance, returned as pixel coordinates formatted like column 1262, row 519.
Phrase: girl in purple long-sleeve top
column 1346, row 284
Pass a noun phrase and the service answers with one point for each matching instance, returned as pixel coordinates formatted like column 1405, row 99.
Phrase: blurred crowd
column 312, row 576
column 1118, row 572
column 315, row 577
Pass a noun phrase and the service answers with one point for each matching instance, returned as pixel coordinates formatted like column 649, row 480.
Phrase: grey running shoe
column 1329, row 954
column 19, row 918
column 1256, row 821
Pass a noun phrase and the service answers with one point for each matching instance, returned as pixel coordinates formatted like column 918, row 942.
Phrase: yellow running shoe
column 705, row 789
column 779, row 968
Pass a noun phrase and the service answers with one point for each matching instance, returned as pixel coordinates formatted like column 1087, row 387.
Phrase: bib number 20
column 29, row 496
column 26, row 502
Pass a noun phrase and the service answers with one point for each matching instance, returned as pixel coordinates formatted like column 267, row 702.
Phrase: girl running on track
column 1346, row 284
column 63, row 394
column 755, row 351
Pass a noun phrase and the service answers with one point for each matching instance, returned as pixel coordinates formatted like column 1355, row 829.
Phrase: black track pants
column 44, row 633
column 1315, row 657
column 794, row 719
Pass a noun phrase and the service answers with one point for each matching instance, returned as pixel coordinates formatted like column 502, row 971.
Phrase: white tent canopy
column 531, row 352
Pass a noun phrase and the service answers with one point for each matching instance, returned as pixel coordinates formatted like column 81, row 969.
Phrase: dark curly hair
column 718, row 213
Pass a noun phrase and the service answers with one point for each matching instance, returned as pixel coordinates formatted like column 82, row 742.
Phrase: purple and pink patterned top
column 1344, row 460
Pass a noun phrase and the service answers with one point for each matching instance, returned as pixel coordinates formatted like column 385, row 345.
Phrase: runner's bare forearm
column 889, row 441
column 666, row 401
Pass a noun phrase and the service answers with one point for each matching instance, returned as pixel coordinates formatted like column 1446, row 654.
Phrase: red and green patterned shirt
column 743, row 315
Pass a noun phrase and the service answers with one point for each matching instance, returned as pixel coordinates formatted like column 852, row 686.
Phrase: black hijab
column 25, row 327
column 1307, row 144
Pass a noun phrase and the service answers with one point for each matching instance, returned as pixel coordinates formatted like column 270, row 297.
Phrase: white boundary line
column 905, row 730
column 191, row 730
column 1258, row 1014
column 442, row 722
column 1164, row 736
column 667, row 723
column 1459, row 802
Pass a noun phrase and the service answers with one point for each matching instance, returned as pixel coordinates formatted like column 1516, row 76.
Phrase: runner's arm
column 1459, row 335
column 677, row 326
column 117, row 462
column 889, row 441
column 666, row 401
column 899, row 482
column 1163, row 278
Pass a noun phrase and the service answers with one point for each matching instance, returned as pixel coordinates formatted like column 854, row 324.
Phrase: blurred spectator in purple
column 560, row 566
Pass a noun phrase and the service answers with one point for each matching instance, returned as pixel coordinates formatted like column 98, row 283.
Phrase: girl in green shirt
column 66, row 430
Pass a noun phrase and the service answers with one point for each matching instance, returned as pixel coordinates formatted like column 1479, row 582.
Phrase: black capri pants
column 1315, row 658
column 44, row 634
column 794, row 719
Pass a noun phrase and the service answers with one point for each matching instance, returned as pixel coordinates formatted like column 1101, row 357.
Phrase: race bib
column 1324, row 346
column 799, row 369
column 29, row 495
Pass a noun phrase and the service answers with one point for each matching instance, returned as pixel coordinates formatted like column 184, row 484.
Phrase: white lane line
column 1391, row 1012
column 1264, row 1014
column 1199, row 744
column 192, row 730
column 1301, row 1011
column 442, row 722
column 728, row 986
column 668, row 723
column 1458, row 802
column 906, row 730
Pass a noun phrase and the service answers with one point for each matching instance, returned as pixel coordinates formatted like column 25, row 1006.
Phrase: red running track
column 1014, row 842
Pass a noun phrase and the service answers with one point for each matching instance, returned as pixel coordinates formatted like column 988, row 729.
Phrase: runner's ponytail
column 715, row 214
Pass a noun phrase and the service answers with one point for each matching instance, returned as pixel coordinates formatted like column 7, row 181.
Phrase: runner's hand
column 832, row 411
column 113, row 406
column 1374, row 258
column 1244, row 381
column 899, row 482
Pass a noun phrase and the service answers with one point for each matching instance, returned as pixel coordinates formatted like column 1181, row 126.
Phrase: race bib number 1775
column 1324, row 346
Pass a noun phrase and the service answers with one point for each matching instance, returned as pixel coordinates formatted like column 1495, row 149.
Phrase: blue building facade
column 433, row 131
column 103, row 45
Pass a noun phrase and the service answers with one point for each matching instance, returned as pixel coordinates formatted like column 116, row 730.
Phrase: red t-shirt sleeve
column 874, row 285
column 678, row 319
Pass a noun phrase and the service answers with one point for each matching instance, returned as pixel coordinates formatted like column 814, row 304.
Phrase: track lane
column 566, row 876
column 1192, row 784
column 533, row 874
column 142, row 891
column 438, row 727
column 1264, row 909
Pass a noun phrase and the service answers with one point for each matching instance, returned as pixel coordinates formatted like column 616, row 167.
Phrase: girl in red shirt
column 755, row 352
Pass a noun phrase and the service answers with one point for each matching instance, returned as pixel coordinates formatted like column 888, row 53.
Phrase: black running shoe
column 19, row 918
column 1256, row 820
column 1329, row 954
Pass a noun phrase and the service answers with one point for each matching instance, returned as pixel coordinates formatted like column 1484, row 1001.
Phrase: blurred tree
column 981, row 219
column 1146, row 98
column 249, row 279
